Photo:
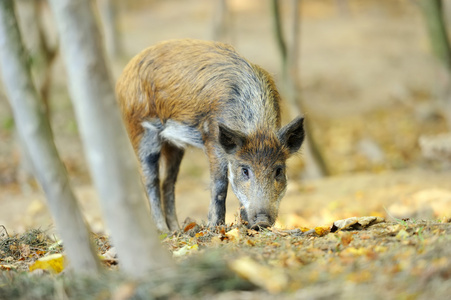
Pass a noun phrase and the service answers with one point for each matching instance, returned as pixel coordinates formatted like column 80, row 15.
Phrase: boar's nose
column 261, row 222
column 260, row 225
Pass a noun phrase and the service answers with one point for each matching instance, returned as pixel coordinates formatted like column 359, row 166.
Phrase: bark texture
column 111, row 159
column 34, row 130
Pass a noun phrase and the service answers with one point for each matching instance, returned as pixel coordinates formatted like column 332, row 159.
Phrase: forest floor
column 369, row 85
column 354, row 258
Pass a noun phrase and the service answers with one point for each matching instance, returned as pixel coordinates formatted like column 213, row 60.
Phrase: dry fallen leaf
column 199, row 234
column 185, row 250
column 7, row 267
column 53, row 263
column 189, row 226
column 233, row 234
column 355, row 223
column 321, row 231
column 273, row 280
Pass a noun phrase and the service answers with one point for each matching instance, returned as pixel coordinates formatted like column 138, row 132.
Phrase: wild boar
column 183, row 93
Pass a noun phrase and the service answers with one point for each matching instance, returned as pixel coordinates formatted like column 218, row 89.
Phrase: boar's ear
column 230, row 140
column 292, row 135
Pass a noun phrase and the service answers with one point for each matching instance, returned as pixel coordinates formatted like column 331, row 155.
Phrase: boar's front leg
column 219, row 183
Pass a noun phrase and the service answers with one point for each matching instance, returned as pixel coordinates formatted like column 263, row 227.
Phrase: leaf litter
column 405, row 259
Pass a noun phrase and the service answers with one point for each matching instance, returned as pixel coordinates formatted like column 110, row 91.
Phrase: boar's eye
column 279, row 173
column 245, row 172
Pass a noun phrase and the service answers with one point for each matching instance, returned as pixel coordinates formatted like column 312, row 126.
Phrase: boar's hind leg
column 172, row 157
column 149, row 155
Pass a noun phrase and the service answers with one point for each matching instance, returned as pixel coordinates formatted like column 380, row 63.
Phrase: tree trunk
column 315, row 166
column 109, row 12
column 436, row 26
column 280, row 40
column 34, row 130
column 35, row 39
column 434, row 15
column 41, row 57
column 222, row 22
column 112, row 162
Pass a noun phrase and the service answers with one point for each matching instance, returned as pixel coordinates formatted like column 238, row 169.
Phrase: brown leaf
column 189, row 226
column 222, row 230
column 199, row 234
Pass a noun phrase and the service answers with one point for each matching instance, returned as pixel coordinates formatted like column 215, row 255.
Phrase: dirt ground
column 369, row 85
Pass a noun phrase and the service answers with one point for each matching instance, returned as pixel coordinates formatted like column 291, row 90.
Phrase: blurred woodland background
column 371, row 76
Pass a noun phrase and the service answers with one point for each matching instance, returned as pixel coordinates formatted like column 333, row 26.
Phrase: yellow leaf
column 273, row 280
column 322, row 230
column 53, row 263
column 233, row 234
column 185, row 250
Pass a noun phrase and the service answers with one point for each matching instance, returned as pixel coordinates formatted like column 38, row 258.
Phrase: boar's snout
column 261, row 221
